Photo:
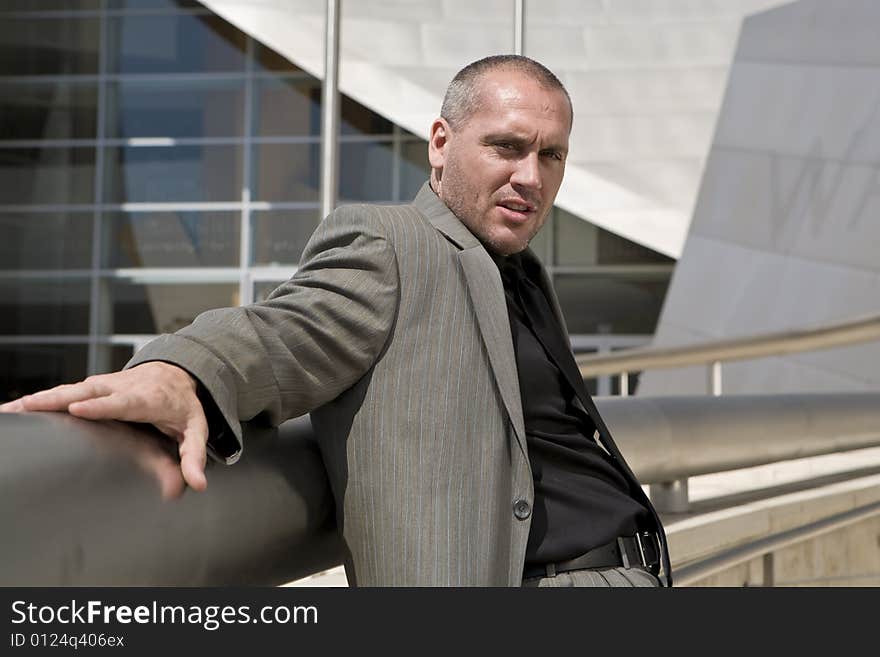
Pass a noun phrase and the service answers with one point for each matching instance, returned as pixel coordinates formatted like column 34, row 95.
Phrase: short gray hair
column 463, row 97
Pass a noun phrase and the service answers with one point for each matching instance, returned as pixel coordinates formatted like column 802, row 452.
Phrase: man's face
column 499, row 169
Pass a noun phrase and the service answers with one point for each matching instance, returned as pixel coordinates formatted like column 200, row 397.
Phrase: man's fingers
column 60, row 397
column 15, row 406
column 157, row 393
column 116, row 406
column 166, row 471
column 194, row 453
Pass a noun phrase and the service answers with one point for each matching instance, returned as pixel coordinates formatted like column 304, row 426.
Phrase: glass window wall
column 412, row 167
column 174, row 43
column 49, row 46
column 363, row 172
column 32, row 6
column 46, row 240
column 287, row 107
column 171, row 239
column 175, row 108
column 48, row 306
column 45, row 176
column 279, row 236
column 62, row 109
column 27, row 368
column 153, row 4
column 204, row 148
column 287, row 172
column 154, row 308
column 173, row 174
column 613, row 302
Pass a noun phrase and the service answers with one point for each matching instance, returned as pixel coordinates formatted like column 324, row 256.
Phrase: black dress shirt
column 581, row 497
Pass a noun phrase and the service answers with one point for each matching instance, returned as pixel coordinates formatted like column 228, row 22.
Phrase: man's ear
column 437, row 141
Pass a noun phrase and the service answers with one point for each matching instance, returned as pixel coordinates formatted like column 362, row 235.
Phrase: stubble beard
column 454, row 191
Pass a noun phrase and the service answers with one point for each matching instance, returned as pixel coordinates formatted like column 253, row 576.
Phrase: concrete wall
column 751, row 505
column 786, row 230
column 646, row 78
column 848, row 557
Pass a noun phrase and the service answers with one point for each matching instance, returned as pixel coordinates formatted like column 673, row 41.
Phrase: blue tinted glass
column 279, row 236
column 44, row 307
column 203, row 108
column 173, row 174
column 355, row 119
column 153, row 4
column 49, row 46
column 50, row 110
column 163, row 308
column 608, row 303
column 172, row 239
column 365, row 172
column 27, row 368
column 47, row 175
column 413, row 168
column 42, row 240
column 174, row 43
column 287, row 107
column 49, row 5
column 286, row 172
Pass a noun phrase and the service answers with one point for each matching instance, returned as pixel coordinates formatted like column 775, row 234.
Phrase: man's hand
column 157, row 393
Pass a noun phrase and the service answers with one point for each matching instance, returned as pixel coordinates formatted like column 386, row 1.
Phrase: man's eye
column 505, row 145
column 553, row 155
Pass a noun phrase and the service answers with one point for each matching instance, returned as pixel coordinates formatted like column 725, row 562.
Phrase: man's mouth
column 516, row 209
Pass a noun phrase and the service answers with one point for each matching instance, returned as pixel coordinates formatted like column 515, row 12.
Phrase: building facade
column 156, row 162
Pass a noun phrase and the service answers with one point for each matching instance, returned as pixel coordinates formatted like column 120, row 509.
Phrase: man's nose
column 527, row 172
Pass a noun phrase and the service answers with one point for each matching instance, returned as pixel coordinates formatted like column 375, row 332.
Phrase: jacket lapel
column 487, row 294
column 487, row 297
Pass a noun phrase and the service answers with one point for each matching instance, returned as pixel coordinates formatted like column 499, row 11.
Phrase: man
column 428, row 346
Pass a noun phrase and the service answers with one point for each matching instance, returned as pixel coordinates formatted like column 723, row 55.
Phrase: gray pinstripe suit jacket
column 394, row 335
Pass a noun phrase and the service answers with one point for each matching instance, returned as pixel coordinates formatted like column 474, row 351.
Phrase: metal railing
column 90, row 503
column 768, row 545
column 713, row 353
column 672, row 495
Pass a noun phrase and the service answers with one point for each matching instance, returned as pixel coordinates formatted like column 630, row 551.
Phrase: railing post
column 670, row 496
column 715, row 378
column 330, row 109
column 624, row 384
column 519, row 27
column 603, row 383
column 769, row 575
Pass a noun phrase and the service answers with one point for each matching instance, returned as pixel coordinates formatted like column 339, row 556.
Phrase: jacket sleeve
column 314, row 337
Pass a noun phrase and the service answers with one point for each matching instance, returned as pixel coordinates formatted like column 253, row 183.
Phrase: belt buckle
column 641, row 549
column 654, row 538
column 640, row 558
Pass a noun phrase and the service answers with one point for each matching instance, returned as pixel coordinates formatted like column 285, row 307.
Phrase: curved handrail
column 82, row 502
column 669, row 438
column 835, row 334
column 86, row 504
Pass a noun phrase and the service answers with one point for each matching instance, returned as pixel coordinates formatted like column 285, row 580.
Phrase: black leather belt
column 639, row 551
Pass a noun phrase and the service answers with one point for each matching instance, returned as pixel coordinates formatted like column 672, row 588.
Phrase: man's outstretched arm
column 312, row 339
column 157, row 393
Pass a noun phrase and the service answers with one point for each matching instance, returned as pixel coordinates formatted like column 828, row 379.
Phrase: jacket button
column 522, row 509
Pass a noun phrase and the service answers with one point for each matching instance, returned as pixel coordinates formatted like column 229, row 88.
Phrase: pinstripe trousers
column 606, row 577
